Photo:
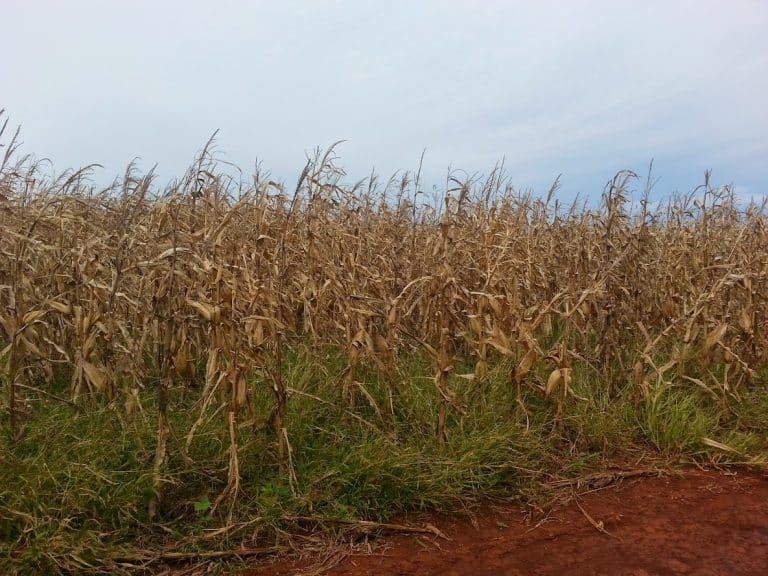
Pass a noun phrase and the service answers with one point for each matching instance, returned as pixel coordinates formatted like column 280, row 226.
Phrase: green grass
column 676, row 420
column 75, row 489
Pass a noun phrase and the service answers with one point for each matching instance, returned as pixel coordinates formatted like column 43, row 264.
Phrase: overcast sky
column 582, row 88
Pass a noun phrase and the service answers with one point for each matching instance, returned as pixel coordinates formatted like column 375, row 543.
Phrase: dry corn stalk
column 126, row 290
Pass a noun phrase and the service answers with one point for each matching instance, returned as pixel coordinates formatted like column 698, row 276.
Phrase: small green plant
column 276, row 491
column 202, row 505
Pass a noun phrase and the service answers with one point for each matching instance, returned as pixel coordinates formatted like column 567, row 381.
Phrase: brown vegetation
column 206, row 285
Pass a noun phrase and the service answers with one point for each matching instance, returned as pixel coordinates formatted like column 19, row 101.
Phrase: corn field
column 206, row 285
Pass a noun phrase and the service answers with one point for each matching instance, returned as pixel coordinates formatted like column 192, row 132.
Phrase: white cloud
column 745, row 197
column 579, row 87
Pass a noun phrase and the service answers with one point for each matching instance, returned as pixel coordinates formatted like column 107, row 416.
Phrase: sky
column 579, row 88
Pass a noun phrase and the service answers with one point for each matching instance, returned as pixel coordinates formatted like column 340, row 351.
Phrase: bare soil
column 705, row 523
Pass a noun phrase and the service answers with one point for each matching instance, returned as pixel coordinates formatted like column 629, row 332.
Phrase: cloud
column 580, row 87
column 745, row 197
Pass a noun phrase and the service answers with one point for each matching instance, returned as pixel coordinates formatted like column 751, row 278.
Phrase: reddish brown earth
column 707, row 523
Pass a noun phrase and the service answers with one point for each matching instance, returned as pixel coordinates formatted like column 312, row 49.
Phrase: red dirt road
column 707, row 523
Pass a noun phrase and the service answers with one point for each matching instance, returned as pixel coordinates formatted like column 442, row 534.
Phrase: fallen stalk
column 369, row 525
column 149, row 557
column 602, row 479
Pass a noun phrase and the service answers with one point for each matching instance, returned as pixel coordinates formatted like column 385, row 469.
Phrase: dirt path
column 707, row 523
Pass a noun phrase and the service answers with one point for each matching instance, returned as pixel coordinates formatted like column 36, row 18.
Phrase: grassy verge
column 75, row 488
